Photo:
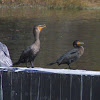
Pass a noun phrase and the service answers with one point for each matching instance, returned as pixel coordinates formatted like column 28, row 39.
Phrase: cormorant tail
column 16, row 63
column 51, row 63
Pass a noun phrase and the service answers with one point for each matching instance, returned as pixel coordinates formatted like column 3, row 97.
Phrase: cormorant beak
column 78, row 43
column 40, row 27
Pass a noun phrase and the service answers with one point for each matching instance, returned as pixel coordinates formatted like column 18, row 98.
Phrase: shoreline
column 49, row 7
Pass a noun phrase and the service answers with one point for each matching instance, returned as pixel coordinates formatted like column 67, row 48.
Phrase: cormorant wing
column 27, row 52
column 69, row 56
column 27, row 49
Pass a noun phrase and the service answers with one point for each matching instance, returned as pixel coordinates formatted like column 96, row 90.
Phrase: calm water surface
column 63, row 27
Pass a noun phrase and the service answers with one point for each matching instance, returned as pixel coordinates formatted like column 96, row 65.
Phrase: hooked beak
column 40, row 27
column 78, row 43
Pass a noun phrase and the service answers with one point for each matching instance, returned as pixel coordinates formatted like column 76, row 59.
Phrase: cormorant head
column 38, row 28
column 77, row 43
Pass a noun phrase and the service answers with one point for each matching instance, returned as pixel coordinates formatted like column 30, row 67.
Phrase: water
column 63, row 27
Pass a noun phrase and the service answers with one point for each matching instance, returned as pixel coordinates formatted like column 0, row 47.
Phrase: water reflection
column 63, row 27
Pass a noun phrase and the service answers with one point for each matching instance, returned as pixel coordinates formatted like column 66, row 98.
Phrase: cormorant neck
column 81, row 48
column 36, row 35
column 37, row 40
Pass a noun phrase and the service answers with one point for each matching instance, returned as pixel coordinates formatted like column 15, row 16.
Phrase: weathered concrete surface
column 48, row 84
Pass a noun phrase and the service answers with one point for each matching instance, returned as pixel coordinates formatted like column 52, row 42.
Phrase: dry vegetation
column 56, row 3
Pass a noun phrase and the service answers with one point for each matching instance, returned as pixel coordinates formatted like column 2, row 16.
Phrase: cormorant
column 5, row 60
column 72, row 55
column 29, row 54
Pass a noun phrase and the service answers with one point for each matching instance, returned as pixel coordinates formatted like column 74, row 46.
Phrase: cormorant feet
column 73, row 69
column 30, row 67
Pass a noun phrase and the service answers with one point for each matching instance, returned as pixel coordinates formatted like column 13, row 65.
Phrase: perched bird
column 5, row 60
column 29, row 54
column 70, row 56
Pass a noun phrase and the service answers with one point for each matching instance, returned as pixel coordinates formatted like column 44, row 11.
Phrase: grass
column 54, row 4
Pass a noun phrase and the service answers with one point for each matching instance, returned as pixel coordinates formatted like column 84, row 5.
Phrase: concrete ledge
column 47, row 70
column 48, row 84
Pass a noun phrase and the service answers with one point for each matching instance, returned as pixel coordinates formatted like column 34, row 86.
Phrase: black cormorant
column 72, row 55
column 5, row 60
column 29, row 54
